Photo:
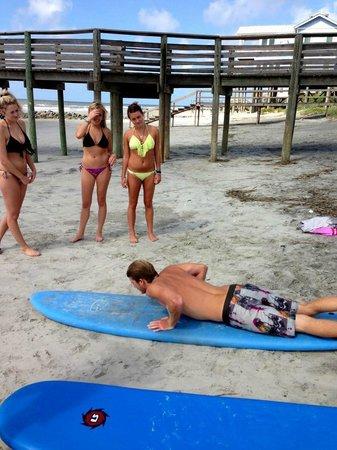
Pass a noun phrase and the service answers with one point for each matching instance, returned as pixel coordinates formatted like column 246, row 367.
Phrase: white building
column 320, row 22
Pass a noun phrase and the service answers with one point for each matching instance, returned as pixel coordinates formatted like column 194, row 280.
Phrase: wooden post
column 327, row 100
column 162, row 96
column 117, row 123
column 96, row 42
column 30, row 94
column 227, row 110
column 111, row 111
column 173, row 108
column 167, row 126
column 62, row 123
column 292, row 100
column 216, row 99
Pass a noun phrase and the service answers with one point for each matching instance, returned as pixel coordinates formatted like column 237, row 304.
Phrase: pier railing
column 239, row 55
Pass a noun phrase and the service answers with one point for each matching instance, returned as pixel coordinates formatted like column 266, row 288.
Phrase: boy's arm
column 196, row 270
column 172, row 301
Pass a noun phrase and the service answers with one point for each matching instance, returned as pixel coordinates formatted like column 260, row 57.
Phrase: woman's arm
column 112, row 156
column 32, row 167
column 6, row 162
column 82, row 129
column 126, row 156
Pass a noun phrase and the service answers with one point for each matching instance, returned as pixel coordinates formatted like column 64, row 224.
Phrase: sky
column 221, row 17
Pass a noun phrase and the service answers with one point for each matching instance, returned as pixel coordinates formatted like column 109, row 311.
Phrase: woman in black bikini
column 15, row 158
column 95, row 166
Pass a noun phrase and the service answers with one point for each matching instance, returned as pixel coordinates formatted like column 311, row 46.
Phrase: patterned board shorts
column 255, row 309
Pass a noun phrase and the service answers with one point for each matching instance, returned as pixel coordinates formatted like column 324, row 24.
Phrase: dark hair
column 141, row 269
column 134, row 107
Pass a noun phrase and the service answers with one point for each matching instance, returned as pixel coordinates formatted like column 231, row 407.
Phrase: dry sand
column 238, row 215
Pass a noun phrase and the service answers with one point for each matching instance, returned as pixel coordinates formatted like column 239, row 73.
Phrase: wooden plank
column 316, row 61
column 51, row 56
column 14, row 48
column 152, row 55
column 265, row 54
column 319, row 45
column 142, row 62
column 262, row 62
column 248, row 47
column 62, row 41
column 176, row 55
column 190, row 71
column 12, row 41
column 190, row 47
column 64, row 48
column 131, row 69
column 140, row 44
column 192, row 63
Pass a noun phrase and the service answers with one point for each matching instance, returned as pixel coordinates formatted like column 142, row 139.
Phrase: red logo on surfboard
column 94, row 418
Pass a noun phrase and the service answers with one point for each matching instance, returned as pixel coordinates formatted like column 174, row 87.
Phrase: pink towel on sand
column 327, row 231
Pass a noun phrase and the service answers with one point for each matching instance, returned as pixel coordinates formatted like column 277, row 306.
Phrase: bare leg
column 87, row 183
column 134, row 185
column 323, row 304
column 13, row 193
column 149, row 186
column 3, row 222
column 102, row 183
column 305, row 323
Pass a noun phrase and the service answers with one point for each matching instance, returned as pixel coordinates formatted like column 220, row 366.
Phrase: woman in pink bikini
column 141, row 167
column 95, row 167
column 15, row 159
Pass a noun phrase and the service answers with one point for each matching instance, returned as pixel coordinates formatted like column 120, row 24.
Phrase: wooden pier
column 137, row 64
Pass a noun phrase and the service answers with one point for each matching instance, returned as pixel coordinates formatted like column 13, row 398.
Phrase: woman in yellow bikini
column 141, row 167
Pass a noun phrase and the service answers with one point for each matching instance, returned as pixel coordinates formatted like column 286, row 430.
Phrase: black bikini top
column 89, row 142
column 15, row 146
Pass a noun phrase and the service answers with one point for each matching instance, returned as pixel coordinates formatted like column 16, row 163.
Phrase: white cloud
column 302, row 12
column 225, row 12
column 44, row 12
column 157, row 20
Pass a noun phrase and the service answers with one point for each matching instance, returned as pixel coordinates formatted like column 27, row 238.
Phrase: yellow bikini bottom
column 141, row 175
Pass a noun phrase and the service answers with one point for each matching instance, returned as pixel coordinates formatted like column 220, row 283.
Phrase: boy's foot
column 99, row 238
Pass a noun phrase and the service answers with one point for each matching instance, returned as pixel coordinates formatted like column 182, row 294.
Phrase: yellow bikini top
column 141, row 147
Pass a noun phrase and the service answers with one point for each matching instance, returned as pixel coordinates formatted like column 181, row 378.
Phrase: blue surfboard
column 128, row 315
column 54, row 415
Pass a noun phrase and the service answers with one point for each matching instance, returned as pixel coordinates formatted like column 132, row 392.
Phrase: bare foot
column 152, row 237
column 133, row 239
column 99, row 238
column 30, row 251
column 77, row 238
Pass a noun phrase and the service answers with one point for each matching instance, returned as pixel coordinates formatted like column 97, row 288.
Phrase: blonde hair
column 141, row 269
column 6, row 99
column 99, row 105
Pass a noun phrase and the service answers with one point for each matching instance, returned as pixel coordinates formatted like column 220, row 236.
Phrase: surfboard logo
column 94, row 418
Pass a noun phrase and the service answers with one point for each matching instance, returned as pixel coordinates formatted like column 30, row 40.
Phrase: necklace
column 142, row 136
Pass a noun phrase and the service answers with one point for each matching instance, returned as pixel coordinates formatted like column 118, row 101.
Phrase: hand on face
column 95, row 116
column 160, row 325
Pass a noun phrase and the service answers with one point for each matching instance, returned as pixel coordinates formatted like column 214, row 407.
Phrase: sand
column 238, row 215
